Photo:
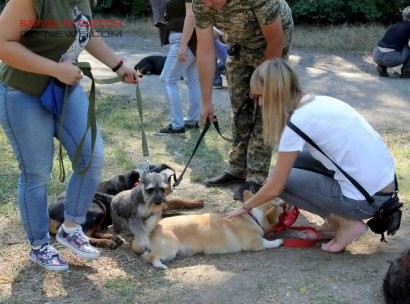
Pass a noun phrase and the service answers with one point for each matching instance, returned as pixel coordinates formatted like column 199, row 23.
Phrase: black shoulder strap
column 311, row 142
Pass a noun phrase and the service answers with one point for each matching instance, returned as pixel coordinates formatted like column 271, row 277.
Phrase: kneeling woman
column 303, row 176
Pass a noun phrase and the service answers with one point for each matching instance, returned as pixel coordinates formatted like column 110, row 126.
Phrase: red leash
column 286, row 220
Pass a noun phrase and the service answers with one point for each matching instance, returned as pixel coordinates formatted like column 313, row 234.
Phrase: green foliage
column 130, row 8
column 306, row 11
column 347, row 11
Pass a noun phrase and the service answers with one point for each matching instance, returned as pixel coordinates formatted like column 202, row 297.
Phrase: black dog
column 151, row 65
column 396, row 283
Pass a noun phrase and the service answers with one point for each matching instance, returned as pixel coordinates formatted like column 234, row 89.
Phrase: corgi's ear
column 247, row 195
column 167, row 173
column 272, row 215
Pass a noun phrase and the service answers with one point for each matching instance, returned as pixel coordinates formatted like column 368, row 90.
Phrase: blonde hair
column 278, row 87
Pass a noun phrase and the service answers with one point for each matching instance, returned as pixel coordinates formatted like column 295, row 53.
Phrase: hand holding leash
column 130, row 75
column 68, row 73
column 207, row 112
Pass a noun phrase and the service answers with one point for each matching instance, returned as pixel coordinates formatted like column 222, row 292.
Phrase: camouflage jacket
column 241, row 20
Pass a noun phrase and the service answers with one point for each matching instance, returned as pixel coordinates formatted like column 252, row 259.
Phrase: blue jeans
column 311, row 187
column 30, row 129
column 171, row 74
column 393, row 59
column 221, row 50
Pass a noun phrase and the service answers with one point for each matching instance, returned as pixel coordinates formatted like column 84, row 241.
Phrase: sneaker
column 77, row 242
column 405, row 75
column 169, row 130
column 382, row 70
column 248, row 185
column 217, row 83
column 47, row 256
column 189, row 126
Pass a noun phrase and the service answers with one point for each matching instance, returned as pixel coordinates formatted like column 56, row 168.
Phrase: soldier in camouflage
column 256, row 30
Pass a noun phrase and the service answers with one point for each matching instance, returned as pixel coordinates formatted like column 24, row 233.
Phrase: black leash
column 205, row 129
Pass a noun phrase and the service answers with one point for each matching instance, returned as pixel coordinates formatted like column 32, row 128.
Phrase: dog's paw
column 272, row 244
column 158, row 264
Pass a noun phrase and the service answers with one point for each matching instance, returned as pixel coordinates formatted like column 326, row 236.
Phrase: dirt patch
column 283, row 275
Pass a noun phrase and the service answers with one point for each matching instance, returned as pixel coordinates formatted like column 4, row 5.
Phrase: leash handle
column 286, row 221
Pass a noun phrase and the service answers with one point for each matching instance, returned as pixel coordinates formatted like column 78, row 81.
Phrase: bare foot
column 350, row 230
column 310, row 235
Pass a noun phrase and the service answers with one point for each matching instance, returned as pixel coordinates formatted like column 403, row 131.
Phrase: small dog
column 138, row 210
column 98, row 217
column 211, row 233
column 396, row 283
column 151, row 65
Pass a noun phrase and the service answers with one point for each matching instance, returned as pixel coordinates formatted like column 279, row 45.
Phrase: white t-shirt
column 347, row 138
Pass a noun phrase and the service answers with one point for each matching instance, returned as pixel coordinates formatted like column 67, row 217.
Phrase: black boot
column 224, row 179
column 382, row 70
column 248, row 185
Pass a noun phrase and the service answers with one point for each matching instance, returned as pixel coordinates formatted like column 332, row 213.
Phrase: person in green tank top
column 40, row 40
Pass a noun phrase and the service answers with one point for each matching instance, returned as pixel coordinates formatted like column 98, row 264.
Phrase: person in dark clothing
column 393, row 49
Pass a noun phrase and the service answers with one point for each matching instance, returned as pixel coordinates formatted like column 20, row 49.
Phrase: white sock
column 69, row 230
column 36, row 247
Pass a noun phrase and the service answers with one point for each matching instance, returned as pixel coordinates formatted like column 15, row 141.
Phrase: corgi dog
column 211, row 233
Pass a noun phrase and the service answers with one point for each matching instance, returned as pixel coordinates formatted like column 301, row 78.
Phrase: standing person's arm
column 102, row 52
column 206, row 69
column 13, row 53
column 274, row 37
column 187, row 31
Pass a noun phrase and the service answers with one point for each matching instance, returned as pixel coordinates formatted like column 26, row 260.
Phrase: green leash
column 91, row 121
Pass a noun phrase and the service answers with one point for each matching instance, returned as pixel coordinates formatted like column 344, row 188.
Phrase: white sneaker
column 77, row 242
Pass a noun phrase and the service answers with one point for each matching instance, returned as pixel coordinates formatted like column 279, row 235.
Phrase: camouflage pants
column 249, row 156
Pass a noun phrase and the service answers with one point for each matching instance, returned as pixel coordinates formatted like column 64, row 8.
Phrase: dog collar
column 256, row 220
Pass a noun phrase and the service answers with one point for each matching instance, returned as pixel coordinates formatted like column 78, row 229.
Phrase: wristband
column 118, row 66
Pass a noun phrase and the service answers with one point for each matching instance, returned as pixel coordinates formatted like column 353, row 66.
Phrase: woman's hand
column 130, row 75
column 68, row 73
column 182, row 53
column 237, row 212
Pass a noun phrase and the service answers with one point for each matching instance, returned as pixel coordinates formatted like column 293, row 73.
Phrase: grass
column 132, row 279
column 339, row 38
column 329, row 38
column 122, row 137
column 123, row 141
